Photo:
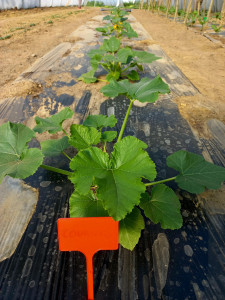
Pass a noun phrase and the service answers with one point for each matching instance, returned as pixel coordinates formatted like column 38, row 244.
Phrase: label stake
column 88, row 235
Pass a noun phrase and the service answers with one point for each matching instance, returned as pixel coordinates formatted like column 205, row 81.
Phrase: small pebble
column 188, row 250
column 45, row 183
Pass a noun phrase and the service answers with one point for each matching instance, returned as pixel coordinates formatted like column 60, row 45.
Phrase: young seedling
column 202, row 20
column 5, row 37
column 117, row 25
column 191, row 20
column 216, row 28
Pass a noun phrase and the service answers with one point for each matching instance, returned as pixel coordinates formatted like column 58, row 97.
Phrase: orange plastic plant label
column 88, row 235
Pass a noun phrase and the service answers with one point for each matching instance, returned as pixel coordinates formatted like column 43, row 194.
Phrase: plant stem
column 106, row 69
column 160, row 181
column 66, row 133
column 56, row 170
column 125, row 69
column 102, row 80
column 64, row 153
column 125, row 121
column 104, row 146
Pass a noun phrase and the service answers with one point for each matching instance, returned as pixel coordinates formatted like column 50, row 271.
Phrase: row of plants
column 118, row 183
column 193, row 17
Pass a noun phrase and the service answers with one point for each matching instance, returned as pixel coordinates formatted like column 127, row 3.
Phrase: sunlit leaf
column 118, row 178
column 88, row 77
column 16, row 160
column 145, row 90
column 196, row 174
column 83, row 137
column 145, row 57
column 100, row 121
column 53, row 124
column 111, row 45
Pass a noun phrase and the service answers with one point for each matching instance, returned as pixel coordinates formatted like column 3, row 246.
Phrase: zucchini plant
column 203, row 21
column 118, row 183
column 116, row 61
column 110, row 183
column 216, row 28
column 117, row 26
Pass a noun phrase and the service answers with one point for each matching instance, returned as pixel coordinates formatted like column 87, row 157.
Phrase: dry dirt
column 201, row 60
column 34, row 32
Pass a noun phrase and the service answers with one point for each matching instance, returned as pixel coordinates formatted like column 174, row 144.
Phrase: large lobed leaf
column 95, row 52
column 111, row 45
column 108, row 136
column 130, row 229
column 82, row 206
column 123, row 54
column 196, row 174
column 145, row 90
column 54, row 147
column 145, row 57
column 16, row 160
column 163, row 206
column 88, row 77
column 53, row 124
column 83, row 137
column 129, row 30
column 100, row 121
column 118, row 178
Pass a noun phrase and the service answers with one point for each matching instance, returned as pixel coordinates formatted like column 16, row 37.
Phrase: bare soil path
column 202, row 61
column 33, row 33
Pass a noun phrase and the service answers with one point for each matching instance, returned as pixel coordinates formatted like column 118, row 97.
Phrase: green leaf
column 82, row 206
column 108, row 136
column 123, row 54
column 163, row 206
column 108, row 17
column 129, row 30
column 118, row 178
column 145, row 90
column 140, row 67
column 145, row 57
column 95, row 60
column 100, row 121
column 110, row 58
column 88, row 163
column 111, row 45
column 95, row 52
column 133, row 75
column 196, row 174
column 83, row 137
column 148, row 90
column 53, row 124
column 16, row 160
column 113, row 75
column 88, row 77
column 130, row 229
column 54, row 147
column 114, row 88
column 103, row 30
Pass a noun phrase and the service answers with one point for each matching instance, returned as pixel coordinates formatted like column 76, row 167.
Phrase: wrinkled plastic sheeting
column 7, row 4
column 17, row 205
